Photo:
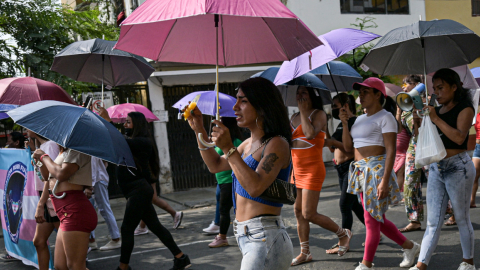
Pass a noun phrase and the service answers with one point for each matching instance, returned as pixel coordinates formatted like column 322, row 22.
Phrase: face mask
column 128, row 132
column 336, row 113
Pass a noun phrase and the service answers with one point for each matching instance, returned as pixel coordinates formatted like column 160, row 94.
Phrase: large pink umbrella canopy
column 249, row 31
column 21, row 91
column 119, row 113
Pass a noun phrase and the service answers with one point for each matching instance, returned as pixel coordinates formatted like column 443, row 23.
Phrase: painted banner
column 18, row 204
column 97, row 99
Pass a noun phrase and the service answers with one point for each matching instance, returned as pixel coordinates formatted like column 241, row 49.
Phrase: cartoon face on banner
column 13, row 199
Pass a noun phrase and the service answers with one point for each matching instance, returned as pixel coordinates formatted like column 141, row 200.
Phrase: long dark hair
column 345, row 98
column 141, row 129
column 452, row 78
column 267, row 101
column 387, row 102
column 317, row 102
column 231, row 124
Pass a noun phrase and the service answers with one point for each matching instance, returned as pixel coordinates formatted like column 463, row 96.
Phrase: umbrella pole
column 216, row 79
column 425, row 70
column 103, row 74
column 331, row 76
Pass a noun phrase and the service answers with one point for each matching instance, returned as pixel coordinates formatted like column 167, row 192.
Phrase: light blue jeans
column 264, row 243
column 103, row 204
column 452, row 178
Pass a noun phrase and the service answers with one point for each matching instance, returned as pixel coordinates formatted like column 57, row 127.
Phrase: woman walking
column 224, row 180
column 372, row 139
column 451, row 178
column 135, row 186
column 256, row 163
column 77, row 216
column 348, row 202
column 309, row 172
column 412, row 186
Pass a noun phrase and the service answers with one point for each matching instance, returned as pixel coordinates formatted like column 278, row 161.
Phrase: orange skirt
column 308, row 168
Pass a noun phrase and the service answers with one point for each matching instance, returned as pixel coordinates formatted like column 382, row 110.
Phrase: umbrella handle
column 54, row 189
column 202, row 141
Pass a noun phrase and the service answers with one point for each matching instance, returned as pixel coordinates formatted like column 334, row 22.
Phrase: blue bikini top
column 253, row 164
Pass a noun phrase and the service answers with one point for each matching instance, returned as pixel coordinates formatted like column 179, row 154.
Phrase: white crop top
column 368, row 130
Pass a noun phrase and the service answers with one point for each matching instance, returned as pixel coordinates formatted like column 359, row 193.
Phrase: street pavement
column 151, row 254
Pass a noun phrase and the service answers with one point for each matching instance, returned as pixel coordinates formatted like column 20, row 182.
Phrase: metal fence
column 188, row 169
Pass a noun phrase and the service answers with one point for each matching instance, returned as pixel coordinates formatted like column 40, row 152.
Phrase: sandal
column 342, row 250
column 409, row 228
column 332, row 247
column 450, row 222
column 304, row 247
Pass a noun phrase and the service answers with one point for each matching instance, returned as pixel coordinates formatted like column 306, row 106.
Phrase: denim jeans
column 452, row 178
column 103, row 204
column 264, row 243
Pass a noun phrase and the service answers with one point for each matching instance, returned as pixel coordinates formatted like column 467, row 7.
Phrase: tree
column 359, row 53
column 38, row 30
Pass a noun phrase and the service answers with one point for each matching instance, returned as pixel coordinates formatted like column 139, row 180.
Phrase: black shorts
column 46, row 215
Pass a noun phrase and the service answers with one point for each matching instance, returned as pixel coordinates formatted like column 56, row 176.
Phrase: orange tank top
column 316, row 144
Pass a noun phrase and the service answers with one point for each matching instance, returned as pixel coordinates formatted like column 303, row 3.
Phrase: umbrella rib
column 223, row 43
column 169, row 32
column 281, row 45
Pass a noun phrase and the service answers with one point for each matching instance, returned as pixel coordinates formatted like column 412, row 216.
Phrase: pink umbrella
column 21, row 91
column 335, row 44
column 118, row 113
column 392, row 89
column 215, row 32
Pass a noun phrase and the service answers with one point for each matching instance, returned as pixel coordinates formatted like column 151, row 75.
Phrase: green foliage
column 39, row 30
column 355, row 59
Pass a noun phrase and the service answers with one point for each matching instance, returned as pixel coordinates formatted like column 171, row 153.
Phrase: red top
column 477, row 126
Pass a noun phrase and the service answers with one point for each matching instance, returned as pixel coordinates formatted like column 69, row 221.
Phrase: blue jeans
column 217, row 210
column 103, row 204
column 452, row 178
column 264, row 243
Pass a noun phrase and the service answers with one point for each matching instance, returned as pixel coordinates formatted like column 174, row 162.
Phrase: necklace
column 265, row 142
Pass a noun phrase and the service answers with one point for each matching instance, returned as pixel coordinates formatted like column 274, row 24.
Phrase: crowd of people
column 374, row 155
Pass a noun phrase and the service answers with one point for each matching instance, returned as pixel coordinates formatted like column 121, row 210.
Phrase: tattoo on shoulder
column 269, row 162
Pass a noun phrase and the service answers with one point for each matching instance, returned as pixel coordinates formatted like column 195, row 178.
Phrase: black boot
column 181, row 263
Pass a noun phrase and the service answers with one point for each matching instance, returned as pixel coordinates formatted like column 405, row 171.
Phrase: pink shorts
column 75, row 212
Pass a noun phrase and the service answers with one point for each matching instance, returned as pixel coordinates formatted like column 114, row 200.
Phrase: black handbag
column 280, row 191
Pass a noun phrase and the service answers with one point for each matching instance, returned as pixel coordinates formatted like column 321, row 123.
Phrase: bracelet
column 203, row 149
column 43, row 156
column 230, row 152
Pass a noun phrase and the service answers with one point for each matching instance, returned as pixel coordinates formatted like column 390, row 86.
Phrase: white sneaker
column 466, row 266
column 139, row 231
column 112, row 245
column 409, row 255
column 212, row 228
column 177, row 220
column 362, row 266
column 414, row 268
column 93, row 245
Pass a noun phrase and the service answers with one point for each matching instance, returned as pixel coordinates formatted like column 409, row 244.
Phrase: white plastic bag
column 430, row 148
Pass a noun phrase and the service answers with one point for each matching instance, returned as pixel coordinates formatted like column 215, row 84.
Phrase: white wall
column 160, row 134
column 322, row 16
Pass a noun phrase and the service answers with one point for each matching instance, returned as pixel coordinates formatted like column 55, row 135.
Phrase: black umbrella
column 423, row 47
column 96, row 61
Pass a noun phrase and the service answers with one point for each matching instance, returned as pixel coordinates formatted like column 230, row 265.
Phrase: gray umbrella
column 423, row 47
column 96, row 61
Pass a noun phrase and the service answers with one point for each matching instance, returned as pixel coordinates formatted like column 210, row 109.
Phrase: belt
column 256, row 225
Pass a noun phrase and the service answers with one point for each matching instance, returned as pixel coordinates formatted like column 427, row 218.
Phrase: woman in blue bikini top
column 256, row 163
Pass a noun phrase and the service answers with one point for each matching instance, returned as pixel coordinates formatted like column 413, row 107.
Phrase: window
column 475, row 7
column 376, row 6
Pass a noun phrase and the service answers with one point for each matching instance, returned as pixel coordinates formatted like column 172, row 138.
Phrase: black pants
column 226, row 204
column 139, row 207
column 348, row 202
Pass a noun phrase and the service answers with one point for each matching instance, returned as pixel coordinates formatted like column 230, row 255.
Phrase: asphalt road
column 150, row 253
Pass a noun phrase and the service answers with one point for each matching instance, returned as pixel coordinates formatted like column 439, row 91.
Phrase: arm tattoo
column 269, row 162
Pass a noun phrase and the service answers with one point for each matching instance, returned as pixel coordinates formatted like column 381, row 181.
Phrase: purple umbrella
column 476, row 74
column 207, row 101
column 336, row 43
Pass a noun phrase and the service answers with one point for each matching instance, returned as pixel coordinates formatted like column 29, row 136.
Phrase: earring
column 256, row 123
